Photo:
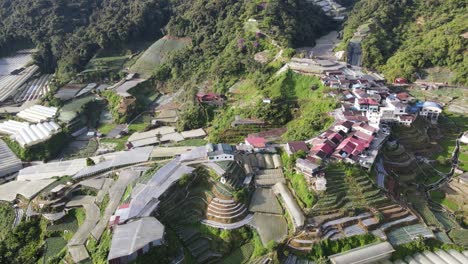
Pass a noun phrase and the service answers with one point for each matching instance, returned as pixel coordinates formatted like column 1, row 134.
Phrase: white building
column 320, row 184
column 393, row 111
column 431, row 111
column 220, row 152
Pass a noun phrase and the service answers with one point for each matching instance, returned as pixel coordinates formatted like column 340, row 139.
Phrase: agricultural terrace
column 348, row 189
column 101, row 67
column 450, row 127
column 419, row 139
column 298, row 102
column 187, row 203
column 157, row 54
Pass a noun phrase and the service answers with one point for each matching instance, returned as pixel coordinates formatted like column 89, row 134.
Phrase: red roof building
column 367, row 101
column 335, row 137
column 296, row 146
column 256, row 142
column 401, row 81
column 350, row 148
column 210, row 98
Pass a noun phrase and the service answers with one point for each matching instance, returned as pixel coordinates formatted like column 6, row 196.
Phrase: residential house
column 405, row 97
column 350, row 148
column 431, row 111
column 360, row 93
column 355, row 116
column 296, row 146
column 348, row 96
column 406, row 120
column 219, row 152
column 210, row 98
column 366, row 104
column 307, row 168
column 365, row 128
column 344, row 126
column 400, row 81
column 256, row 142
column 322, row 150
column 320, row 183
column 335, row 137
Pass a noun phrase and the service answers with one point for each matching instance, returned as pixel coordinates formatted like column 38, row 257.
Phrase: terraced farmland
column 53, row 247
column 182, row 211
column 346, row 192
column 240, row 255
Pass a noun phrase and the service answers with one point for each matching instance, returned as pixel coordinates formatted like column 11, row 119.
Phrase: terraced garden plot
column 240, row 255
column 346, row 192
column 459, row 236
column 419, row 203
column 446, row 220
column 69, row 223
column 440, row 197
column 53, row 246
column 106, row 63
column 270, row 227
column 265, row 201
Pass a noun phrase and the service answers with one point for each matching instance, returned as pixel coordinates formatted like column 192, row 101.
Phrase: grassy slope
column 157, row 54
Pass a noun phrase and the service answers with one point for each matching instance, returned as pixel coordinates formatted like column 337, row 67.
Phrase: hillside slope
column 404, row 37
column 223, row 44
column 68, row 33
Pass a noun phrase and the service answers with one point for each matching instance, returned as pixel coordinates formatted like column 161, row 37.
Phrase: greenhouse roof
column 366, row 254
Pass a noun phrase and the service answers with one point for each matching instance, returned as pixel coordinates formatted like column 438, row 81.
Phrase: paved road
column 324, row 46
column 76, row 244
column 105, row 189
column 115, row 195
column 78, row 253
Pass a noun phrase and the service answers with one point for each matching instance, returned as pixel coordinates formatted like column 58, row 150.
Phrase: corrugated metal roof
column 9, row 162
column 133, row 236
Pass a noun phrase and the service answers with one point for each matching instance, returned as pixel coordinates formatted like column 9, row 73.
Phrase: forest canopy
column 408, row 36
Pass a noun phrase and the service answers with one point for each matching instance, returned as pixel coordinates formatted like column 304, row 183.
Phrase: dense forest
column 223, row 48
column 68, row 33
column 407, row 36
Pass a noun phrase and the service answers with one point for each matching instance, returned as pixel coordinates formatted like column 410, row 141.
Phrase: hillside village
column 121, row 170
